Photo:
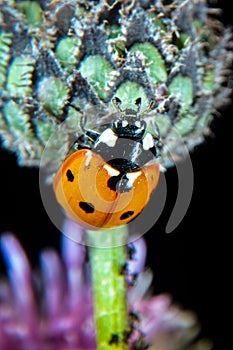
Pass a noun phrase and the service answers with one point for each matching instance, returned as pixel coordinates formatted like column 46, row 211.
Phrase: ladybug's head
column 128, row 112
column 129, row 124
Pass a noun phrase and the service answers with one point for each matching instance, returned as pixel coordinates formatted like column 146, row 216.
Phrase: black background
column 192, row 263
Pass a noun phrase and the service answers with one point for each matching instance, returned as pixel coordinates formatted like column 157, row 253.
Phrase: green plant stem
column 109, row 286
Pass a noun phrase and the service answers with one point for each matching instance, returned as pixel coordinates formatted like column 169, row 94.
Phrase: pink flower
column 52, row 310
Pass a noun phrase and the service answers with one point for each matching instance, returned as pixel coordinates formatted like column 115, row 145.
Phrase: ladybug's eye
column 117, row 100
column 138, row 101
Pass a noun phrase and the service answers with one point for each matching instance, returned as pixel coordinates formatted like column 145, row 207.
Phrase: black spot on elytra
column 69, row 175
column 87, row 207
column 126, row 215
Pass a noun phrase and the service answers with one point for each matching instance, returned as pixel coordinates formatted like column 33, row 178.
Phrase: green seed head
column 86, row 52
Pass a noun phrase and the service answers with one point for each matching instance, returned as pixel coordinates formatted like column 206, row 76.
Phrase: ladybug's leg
column 92, row 135
column 83, row 115
column 156, row 136
column 83, row 120
column 86, row 140
column 88, row 137
column 157, row 141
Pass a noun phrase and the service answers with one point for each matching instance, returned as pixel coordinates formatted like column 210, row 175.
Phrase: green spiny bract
column 54, row 54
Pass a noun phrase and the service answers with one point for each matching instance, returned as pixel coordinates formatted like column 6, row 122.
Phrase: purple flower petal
column 20, row 276
column 73, row 255
column 73, row 230
column 63, row 318
column 55, row 282
column 137, row 258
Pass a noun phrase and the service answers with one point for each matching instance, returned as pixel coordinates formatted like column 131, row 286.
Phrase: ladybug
column 109, row 177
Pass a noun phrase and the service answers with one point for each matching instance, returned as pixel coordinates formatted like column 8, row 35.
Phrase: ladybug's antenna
column 148, row 109
column 83, row 120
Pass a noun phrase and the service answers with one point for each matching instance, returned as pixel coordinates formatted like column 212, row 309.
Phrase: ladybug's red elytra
column 106, row 181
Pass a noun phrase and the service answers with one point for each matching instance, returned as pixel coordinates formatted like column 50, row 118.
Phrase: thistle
column 58, row 54
column 55, row 312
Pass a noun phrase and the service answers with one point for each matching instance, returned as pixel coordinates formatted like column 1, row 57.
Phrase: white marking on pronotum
column 138, row 123
column 148, row 142
column 124, row 123
column 108, row 137
column 111, row 171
